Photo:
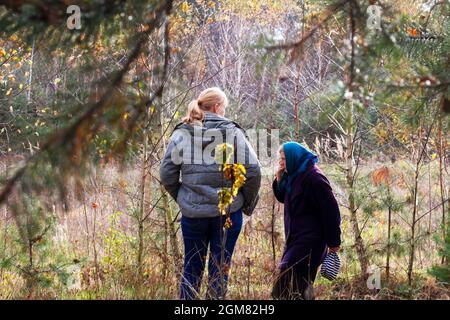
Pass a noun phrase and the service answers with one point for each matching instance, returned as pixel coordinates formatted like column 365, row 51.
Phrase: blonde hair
column 205, row 102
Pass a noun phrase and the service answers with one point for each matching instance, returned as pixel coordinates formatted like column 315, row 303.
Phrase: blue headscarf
column 297, row 160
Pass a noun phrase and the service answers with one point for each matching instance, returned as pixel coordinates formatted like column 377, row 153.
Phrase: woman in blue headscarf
column 311, row 221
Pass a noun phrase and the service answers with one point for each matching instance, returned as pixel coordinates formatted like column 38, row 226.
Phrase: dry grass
column 253, row 268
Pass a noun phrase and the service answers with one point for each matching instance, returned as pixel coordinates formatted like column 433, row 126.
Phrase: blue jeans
column 198, row 233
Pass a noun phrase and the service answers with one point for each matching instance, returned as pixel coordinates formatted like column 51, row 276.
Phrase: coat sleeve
column 276, row 191
column 250, row 189
column 328, row 210
column 169, row 172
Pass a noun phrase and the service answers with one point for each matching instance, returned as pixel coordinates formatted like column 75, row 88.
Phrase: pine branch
column 68, row 135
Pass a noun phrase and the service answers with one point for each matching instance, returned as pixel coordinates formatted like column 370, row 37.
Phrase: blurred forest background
column 86, row 114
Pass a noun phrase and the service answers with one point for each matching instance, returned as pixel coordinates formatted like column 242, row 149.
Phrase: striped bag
column 330, row 266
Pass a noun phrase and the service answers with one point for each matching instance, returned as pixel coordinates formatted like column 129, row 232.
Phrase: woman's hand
column 280, row 171
column 334, row 249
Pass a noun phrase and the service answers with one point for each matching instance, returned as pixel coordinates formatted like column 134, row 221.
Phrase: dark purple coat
column 311, row 220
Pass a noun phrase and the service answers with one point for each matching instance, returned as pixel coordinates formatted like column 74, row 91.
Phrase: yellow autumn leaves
column 223, row 153
column 185, row 5
column 12, row 58
column 235, row 173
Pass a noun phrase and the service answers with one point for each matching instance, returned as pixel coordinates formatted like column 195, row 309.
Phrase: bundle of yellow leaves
column 231, row 172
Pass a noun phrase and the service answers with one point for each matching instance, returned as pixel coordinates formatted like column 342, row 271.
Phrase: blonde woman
column 195, row 184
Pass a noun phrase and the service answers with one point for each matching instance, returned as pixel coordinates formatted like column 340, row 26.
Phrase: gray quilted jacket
column 191, row 175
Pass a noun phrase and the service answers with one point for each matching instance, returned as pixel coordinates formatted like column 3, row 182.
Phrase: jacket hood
column 213, row 126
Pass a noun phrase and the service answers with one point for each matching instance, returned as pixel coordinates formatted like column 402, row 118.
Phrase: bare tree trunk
column 415, row 221
column 296, row 89
column 319, row 53
column 141, row 212
column 248, row 277
column 430, row 215
column 30, row 276
column 359, row 243
column 5, row 227
column 239, row 64
column 259, row 95
column 172, row 230
column 86, row 223
column 412, row 243
column 272, row 231
column 95, row 249
column 166, row 248
column 388, row 253
column 30, row 78
column 441, row 178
